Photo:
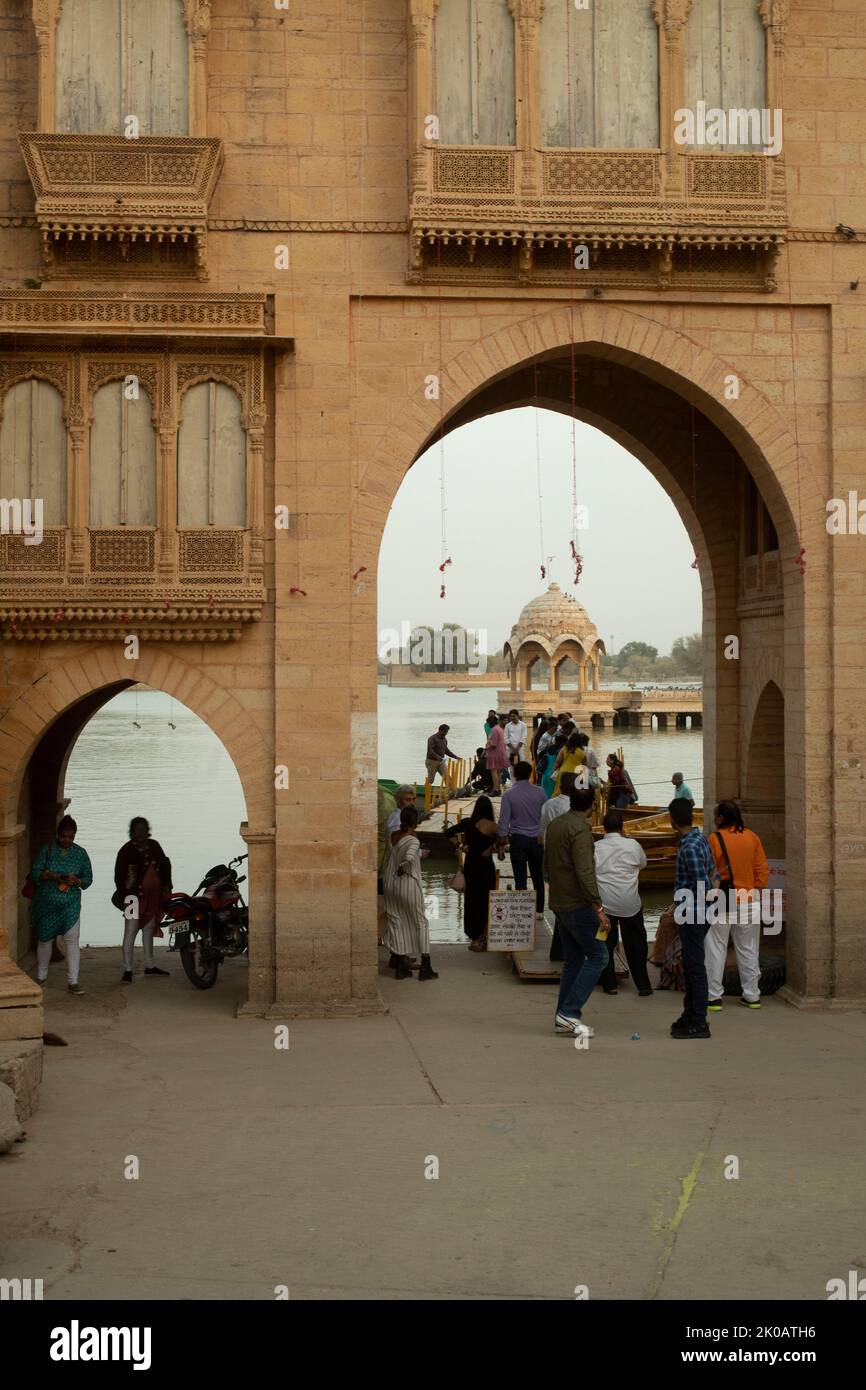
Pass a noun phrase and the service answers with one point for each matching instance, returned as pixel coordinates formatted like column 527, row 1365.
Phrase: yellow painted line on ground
column 670, row 1228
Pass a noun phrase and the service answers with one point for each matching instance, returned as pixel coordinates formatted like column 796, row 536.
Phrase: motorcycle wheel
column 201, row 973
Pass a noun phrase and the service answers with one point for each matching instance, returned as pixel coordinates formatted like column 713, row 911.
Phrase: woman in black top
column 479, row 834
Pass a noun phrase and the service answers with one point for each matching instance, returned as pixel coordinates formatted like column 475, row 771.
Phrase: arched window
column 474, row 72
column 726, row 68
column 122, row 459
column 33, row 448
column 119, row 58
column 600, row 75
column 211, row 458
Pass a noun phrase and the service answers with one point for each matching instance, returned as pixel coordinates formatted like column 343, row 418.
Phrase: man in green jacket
column 569, row 864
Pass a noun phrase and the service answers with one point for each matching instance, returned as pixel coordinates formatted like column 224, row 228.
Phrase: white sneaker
column 572, row 1027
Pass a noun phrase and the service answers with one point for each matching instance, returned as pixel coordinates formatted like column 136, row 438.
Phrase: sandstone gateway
column 256, row 256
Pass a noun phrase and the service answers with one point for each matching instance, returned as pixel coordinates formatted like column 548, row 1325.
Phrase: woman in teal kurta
column 60, row 871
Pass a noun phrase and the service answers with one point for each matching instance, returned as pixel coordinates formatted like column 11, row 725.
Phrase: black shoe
column 643, row 993
column 679, row 1022
column 154, row 970
column 691, row 1030
column 427, row 972
column 401, row 972
column 611, row 991
column 126, row 977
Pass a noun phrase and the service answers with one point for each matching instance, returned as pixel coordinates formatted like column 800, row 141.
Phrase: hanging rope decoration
column 694, row 564
column 542, row 566
column 576, row 556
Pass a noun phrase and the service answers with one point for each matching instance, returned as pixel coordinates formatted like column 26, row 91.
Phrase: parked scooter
column 209, row 924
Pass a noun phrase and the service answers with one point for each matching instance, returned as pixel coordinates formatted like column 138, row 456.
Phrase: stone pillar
column 513, row 676
column 671, row 16
column 583, row 681
column 596, row 681
column 10, row 892
column 197, row 17
column 527, row 18
column 260, row 873
column 552, row 683
column 166, row 501
column 45, row 16
column 79, row 491
column 422, row 15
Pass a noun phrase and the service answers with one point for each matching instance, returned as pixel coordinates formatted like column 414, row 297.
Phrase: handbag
column 29, row 889
column 458, row 882
column 726, row 884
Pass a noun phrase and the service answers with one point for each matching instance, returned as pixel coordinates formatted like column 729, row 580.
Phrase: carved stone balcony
column 184, row 586
column 647, row 218
column 124, row 206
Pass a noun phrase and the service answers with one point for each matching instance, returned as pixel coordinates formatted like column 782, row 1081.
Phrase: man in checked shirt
column 694, row 872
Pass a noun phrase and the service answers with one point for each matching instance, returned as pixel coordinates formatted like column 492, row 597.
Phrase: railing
column 456, row 775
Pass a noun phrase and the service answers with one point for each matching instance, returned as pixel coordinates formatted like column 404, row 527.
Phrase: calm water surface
column 184, row 782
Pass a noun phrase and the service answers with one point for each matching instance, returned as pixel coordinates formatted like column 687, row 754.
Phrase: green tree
column 687, row 654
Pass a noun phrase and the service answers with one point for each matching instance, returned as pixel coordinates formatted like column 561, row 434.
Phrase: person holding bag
column 741, row 867
column 480, row 833
column 142, row 881
column 60, row 872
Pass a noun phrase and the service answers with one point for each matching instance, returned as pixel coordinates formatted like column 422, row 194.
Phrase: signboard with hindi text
column 511, row 920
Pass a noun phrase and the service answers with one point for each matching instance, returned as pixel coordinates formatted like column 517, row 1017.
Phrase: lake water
column 184, row 782
column 407, row 717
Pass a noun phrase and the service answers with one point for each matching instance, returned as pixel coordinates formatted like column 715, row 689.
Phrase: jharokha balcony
column 117, row 205
column 692, row 221
column 512, row 181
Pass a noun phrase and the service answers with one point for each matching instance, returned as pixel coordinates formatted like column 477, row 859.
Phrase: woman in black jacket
column 142, row 881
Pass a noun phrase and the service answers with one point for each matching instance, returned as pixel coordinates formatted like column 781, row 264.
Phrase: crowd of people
column 547, row 788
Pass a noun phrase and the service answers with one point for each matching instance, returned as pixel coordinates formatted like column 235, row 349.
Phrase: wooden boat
column 660, row 867
column 653, row 831
column 458, row 689
column 638, row 810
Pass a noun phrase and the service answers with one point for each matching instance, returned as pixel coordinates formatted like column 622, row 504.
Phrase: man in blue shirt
column 520, row 818
column 694, row 874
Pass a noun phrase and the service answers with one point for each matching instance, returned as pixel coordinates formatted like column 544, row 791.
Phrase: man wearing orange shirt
column 741, row 864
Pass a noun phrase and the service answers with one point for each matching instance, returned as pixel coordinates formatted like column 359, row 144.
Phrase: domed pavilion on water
column 554, row 628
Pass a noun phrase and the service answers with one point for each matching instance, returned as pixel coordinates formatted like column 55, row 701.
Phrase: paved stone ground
column 557, row 1167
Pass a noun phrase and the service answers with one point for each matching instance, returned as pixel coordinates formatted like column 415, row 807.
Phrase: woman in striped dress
column 408, row 931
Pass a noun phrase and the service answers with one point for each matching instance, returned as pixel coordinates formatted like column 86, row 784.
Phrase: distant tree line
column 640, row 661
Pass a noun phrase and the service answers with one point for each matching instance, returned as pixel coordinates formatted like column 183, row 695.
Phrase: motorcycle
column 210, row 924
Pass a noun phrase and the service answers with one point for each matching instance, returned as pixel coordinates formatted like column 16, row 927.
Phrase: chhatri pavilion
column 553, row 629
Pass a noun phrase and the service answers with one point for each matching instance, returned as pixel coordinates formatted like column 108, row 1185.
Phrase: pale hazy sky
column 637, row 581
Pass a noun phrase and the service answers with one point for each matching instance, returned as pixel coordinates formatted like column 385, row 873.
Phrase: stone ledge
column 17, row 990
column 21, row 1071
column 820, row 1003
column 361, row 1008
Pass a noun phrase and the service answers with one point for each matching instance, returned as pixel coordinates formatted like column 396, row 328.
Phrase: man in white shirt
column 515, row 738
column 618, row 862
column 557, row 805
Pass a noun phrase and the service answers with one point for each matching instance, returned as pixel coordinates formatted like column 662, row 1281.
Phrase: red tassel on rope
column 362, row 570
column 298, row 591
column 442, row 566
column 58, row 615
column 442, row 592
column 578, row 568
column 800, row 561
column 543, row 572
